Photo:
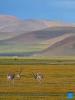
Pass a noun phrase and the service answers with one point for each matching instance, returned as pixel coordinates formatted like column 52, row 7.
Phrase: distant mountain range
column 37, row 38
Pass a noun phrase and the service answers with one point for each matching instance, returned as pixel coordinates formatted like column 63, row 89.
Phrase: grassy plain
column 59, row 78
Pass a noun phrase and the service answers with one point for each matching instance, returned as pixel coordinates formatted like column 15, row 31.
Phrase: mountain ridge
column 36, row 37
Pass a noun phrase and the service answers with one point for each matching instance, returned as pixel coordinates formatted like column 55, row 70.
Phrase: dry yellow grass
column 57, row 81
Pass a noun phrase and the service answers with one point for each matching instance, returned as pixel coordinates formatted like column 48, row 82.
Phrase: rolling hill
column 35, row 38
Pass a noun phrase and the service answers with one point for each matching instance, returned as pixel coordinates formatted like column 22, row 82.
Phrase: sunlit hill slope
column 35, row 37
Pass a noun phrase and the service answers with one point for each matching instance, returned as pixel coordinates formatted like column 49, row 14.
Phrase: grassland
column 58, row 79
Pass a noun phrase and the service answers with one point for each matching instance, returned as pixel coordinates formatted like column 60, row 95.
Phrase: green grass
column 32, row 60
column 21, row 48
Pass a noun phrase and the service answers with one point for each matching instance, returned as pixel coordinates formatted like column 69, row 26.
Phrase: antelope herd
column 37, row 76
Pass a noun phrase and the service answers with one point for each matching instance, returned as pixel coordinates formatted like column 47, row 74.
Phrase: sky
column 56, row 10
